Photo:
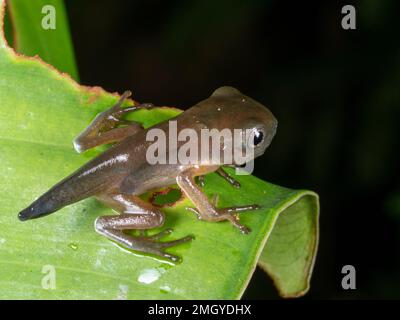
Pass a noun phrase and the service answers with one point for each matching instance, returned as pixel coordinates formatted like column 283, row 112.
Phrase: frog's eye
column 256, row 137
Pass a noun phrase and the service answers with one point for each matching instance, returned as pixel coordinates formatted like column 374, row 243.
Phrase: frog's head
column 237, row 111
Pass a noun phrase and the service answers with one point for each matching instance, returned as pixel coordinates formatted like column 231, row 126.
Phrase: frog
column 121, row 174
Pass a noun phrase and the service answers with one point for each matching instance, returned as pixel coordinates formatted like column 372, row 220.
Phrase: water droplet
column 165, row 289
column 97, row 263
column 149, row 276
column 73, row 246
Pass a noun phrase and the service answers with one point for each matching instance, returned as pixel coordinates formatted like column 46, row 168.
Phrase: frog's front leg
column 206, row 210
column 139, row 215
column 104, row 128
column 223, row 174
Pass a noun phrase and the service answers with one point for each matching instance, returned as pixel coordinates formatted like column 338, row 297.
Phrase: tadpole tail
column 59, row 196
column 70, row 190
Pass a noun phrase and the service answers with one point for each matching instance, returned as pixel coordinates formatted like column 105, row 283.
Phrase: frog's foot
column 112, row 117
column 153, row 246
column 109, row 127
column 230, row 213
column 112, row 227
column 156, row 236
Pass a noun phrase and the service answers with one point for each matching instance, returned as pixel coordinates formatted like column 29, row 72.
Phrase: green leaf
column 289, row 254
column 41, row 111
column 31, row 38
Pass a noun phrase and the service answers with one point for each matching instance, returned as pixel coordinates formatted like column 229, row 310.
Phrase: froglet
column 122, row 173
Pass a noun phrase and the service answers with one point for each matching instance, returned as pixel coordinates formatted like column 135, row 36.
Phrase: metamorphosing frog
column 119, row 175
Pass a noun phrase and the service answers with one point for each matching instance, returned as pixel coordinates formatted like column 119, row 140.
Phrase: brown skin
column 119, row 175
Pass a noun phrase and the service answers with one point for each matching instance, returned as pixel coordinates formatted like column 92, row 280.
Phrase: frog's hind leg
column 139, row 215
column 105, row 127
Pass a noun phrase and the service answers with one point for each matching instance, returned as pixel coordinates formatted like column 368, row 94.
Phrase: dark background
column 335, row 93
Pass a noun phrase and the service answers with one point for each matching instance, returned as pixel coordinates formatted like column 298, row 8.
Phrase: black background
column 335, row 93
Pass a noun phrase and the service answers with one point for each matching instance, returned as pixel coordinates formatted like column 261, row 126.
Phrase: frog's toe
column 195, row 211
column 174, row 243
column 159, row 235
column 157, row 248
column 169, row 256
